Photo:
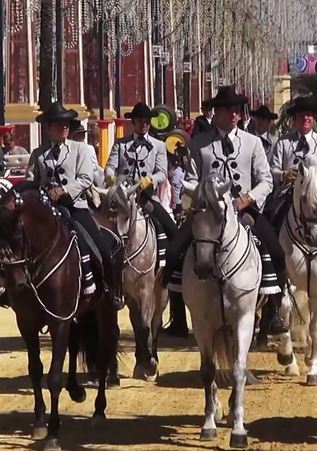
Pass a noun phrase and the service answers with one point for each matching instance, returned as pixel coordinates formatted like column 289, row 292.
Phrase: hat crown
column 303, row 103
column 227, row 96
column 140, row 109
column 56, row 112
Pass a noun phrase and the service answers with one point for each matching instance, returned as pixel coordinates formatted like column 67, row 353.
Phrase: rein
column 42, row 258
column 132, row 228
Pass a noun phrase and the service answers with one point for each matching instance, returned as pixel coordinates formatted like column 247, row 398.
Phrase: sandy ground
column 281, row 413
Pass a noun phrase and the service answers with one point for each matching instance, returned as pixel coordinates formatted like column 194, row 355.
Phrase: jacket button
column 126, row 171
column 64, row 182
column 61, row 170
column 215, row 164
column 234, row 165
column 238, row 188
column 142, row 164
column 143, row 174
column 296, row 160
column 236, row 176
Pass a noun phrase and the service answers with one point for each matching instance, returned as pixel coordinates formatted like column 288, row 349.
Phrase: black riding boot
column 276, row 324
column 178, row 326
column 113, row 280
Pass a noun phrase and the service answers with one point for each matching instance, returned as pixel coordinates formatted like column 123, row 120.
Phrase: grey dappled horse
column 221, row 278
column 145, row 297
column 298, row 238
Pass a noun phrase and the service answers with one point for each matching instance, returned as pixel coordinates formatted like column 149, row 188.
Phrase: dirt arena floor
column 281, row 413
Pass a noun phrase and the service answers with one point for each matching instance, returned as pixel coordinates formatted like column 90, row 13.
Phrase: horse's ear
column 223, row 189
column 132, row 189
column 189, row 188
column 302, row 169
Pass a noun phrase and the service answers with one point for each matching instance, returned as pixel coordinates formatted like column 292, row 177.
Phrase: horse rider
column 65, row 168
column 203, row 122
column 239, row 157
column 143, row 160
column 297, row 145
column 262, row 119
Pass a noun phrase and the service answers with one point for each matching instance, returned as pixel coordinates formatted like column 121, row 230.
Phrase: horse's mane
column 310, row 185
column 115, row 196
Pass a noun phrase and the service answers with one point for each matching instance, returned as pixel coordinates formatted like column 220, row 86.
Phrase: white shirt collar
column 264, row 135
column 231, row 134
column 307, row 135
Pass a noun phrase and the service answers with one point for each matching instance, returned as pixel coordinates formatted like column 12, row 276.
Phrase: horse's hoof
column 208, row 434
column 39, row 432
column 292, row 370
column 284, row 359
column 52, row 445
column 311, row 379
column 77, row 393
column 238, row 440
column 98, row 421
column 151, row 373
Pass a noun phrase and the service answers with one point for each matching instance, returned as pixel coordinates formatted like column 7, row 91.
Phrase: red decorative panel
column 18, row 87
column 132, row 77
column 194, row 101
column 71, row 76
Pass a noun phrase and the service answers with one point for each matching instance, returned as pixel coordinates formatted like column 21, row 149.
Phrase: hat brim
column 271, row 116
column 65, row 116
column 300, row 108
column 236, row 100
column 131, row 115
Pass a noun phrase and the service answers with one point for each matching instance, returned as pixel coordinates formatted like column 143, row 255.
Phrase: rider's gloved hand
column 289, row 176
column 145, row 182
column 110, row 180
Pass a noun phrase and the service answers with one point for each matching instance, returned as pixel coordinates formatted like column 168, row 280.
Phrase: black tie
column 56, row 151
column 302, row 145
column 266, row 143
column 227, row 146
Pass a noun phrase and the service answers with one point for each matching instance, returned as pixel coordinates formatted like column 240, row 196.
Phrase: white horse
column 298, row 238
column 221, row 278
column 145, row 296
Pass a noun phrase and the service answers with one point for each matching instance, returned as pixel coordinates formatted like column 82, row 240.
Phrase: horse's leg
column 113, row 379
column 285, row 353
column 31, row 338
column 312, row 368
column 264, row 324
column 161, row 299
column 208, row 374
column 141, row 312
column 107, row 349
column 242, row 338
column 76, row 391
column 60, row 336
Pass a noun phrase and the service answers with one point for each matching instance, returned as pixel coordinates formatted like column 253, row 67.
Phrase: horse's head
column 210, row 203
column 305, row 202
column 120, row 203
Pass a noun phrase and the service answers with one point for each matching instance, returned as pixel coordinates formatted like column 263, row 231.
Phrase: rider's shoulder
column 290, row 135
column 124, row 140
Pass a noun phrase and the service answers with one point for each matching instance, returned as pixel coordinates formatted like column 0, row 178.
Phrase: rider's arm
column 277, row 163
column 84, row 174
column 261, row 175
column 160, row 170
column 32, row 173
column 113, row 161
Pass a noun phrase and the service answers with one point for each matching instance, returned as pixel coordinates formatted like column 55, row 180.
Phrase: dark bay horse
column 41, row 261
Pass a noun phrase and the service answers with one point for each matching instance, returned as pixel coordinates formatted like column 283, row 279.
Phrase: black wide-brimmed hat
column 302, row 103
column 264, row 112
column 206, row 105
column 75, row 126
column 55, row 113
column 141, row 110
column 227, row 96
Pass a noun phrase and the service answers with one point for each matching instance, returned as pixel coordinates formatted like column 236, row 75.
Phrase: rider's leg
column 178, row 326
column 161, row 215
column 266, row 234
column 84, row 217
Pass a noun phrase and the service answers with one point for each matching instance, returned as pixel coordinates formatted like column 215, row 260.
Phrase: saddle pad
column 89, row 241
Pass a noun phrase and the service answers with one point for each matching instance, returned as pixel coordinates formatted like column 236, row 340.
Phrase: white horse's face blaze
column 207, row 226
column 305, row 202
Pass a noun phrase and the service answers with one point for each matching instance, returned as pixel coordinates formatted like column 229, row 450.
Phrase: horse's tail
column 295, row 309
column 89, row 342
column 224, row 357
column 98, row 350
